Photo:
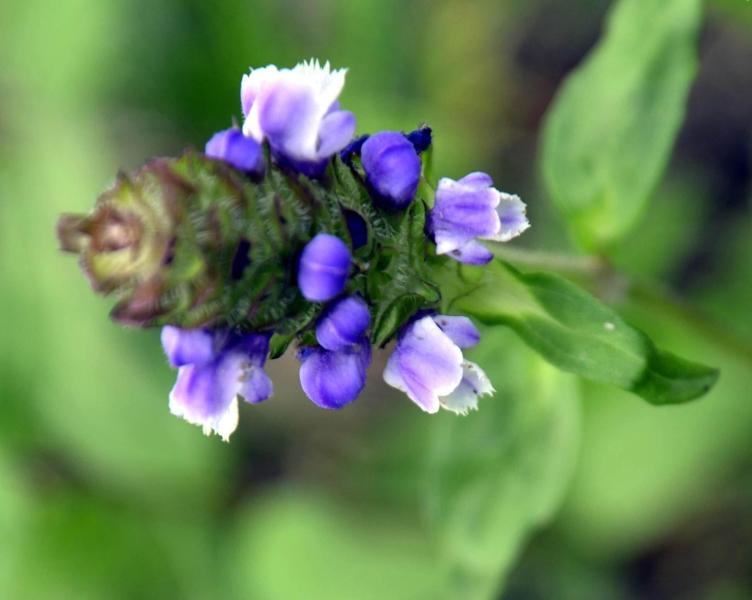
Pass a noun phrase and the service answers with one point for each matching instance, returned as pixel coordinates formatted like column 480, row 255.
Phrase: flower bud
column 231, row 146
column 323, row 268
column 334, row 379
column 471, row 209
column 165, row 238
column 127, row 237
column 392, row 168
column 343, row 324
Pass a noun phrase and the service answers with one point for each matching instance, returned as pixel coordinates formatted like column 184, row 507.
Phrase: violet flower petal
column 324, row 265
column 460, row 330
column 343, row 323
column 334, row 379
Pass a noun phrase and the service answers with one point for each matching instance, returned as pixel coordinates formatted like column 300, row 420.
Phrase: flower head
column 297, row 111
column 323, row 269
column 472, row 209
column 231, row 146
column 427, row 364
column 214, row 369
column 392, row 168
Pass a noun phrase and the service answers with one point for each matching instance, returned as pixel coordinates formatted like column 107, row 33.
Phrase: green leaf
column 607, row 138
column 577, row 333
column 395, row 314
column 500, row 473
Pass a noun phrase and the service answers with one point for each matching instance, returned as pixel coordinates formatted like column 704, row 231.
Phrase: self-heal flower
column 333, row 375
column 334, row 378
column 323, row 269
column 392, row 168
column 427, row 364
column 472, row 209
column 215, row 368
column 297, row 111
column 231, row 146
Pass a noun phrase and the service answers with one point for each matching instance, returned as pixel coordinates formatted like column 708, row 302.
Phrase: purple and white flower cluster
column 295, row 113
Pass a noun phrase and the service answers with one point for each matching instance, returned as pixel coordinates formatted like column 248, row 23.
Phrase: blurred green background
column 554, row 489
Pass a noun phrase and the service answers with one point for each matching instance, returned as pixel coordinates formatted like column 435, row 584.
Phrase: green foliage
column 579, row 334
column 298, row 544
column 608, row 136
column 642, row 472
column 499, row 474
column 401, row 283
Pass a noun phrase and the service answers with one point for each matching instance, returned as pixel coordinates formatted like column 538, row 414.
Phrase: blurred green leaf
column 296, row 544
column 16, row 506
column 88, row 548
column 577, row 333
column 608, row 136
column 644, row 471
column 499, row 473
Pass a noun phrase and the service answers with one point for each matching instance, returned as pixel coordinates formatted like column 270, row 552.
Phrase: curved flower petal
column 477, row 179
column 425, row 364
column 512, row 215
column 187, row 346
column 474, row 385
column 336, row 130
column 243, row 153
column 289, row 118
column 202, row 396
column 323, row 269
column 334, row 379
column 459, row 329
column 251, row 84
column 471, row 253
column 343, row 324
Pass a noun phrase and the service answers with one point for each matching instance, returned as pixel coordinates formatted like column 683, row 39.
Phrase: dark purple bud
column 356, row 227
column 392, row 168
column 323, row 269
column 343, row 324
column 243, row 153
column 352, row 148
column 420, row 138
column 334, row 379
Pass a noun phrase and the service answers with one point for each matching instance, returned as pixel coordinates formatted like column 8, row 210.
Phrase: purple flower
column 343, row 323
column 231, row 146
column 214, row 369
column 333, row 379
column 324, row 265
column 472, row 209
column 297, row 111
column 392, row 168
column 427, row 364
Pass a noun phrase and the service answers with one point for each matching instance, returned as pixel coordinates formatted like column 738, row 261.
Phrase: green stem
column 550, row 261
